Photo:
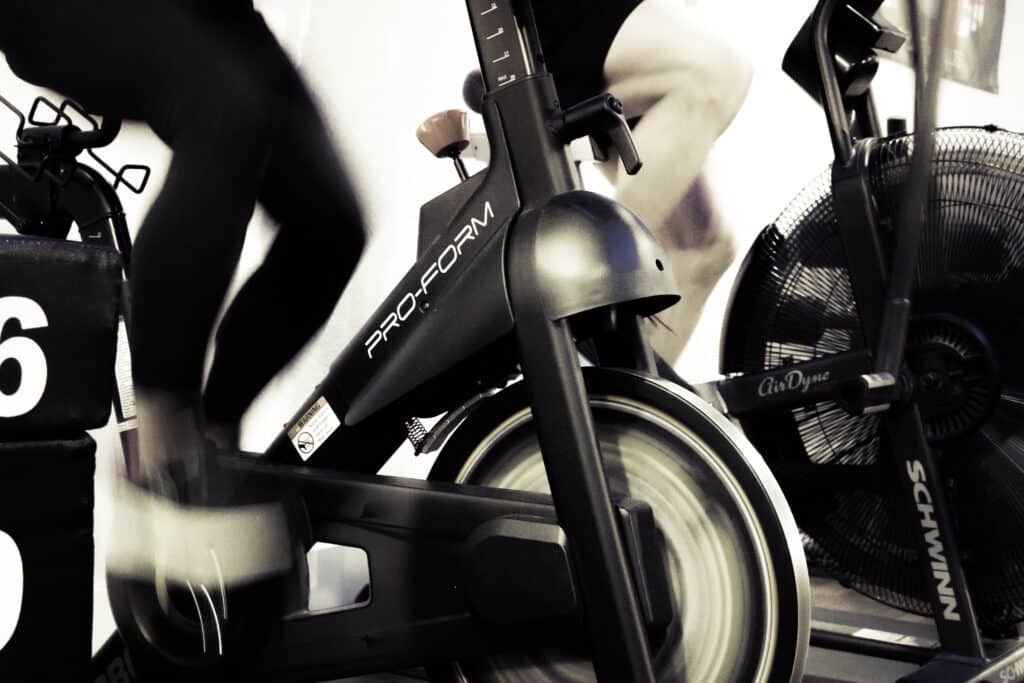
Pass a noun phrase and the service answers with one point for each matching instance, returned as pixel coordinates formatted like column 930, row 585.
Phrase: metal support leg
column 575, row 472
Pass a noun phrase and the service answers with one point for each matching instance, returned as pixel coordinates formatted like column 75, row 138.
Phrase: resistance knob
column 446, row 134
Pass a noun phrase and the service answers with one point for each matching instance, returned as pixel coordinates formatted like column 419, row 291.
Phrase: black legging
column 210, row 79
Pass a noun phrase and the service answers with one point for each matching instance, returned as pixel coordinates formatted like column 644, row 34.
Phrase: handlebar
column 65, row 128
column 833, row 58
column 100, row 137
column 50, row 145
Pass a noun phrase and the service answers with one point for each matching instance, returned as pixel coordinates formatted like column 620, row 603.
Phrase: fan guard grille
column 794, row 302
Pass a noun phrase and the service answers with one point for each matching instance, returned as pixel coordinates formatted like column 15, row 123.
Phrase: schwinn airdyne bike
column 673, row 555
column 872, row 345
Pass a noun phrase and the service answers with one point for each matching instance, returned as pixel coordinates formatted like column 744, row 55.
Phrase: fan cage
column 794, row 302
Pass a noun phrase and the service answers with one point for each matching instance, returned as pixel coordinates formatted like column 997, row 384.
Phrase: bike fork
column 576, row 474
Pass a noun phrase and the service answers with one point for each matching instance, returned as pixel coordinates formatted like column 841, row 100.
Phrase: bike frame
column 528, row 197
column 492, row 270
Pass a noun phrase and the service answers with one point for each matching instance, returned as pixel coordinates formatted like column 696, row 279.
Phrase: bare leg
column 686, row 85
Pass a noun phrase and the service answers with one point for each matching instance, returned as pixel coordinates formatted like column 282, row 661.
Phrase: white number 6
column 25, row 352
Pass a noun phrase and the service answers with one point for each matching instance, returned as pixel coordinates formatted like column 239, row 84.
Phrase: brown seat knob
column 445, row 134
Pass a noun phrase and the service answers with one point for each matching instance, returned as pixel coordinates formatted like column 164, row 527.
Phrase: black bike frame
column 483, row 278
column 494, row 231
column 479, row 277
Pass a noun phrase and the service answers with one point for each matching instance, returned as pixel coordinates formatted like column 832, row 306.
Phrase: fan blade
column 803, row 320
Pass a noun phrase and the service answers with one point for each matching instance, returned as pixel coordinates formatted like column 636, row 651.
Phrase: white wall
column 380, row 68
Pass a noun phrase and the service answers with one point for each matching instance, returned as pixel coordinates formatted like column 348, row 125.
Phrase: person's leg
column 159, row 63
column 686, row 85
column 188, row 246
column 190, row 76
column 294, row 291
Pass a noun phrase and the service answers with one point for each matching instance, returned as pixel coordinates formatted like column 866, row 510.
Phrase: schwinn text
column 936, row 550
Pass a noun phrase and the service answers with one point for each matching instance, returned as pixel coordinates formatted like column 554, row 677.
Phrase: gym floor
column 838, row 609
column 843, row 610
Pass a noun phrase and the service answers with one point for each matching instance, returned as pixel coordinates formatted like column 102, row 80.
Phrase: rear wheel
column 731, row 547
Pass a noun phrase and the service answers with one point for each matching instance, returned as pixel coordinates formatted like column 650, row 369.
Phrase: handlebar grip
column 101, row 137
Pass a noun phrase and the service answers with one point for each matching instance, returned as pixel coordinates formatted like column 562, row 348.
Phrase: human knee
column 342, row 247
column 718, row 87
column 662, row 55
column 731, row 84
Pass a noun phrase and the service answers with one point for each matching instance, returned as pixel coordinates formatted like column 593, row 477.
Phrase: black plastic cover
column 854, row 35
column 59, row 305
column 46, row 501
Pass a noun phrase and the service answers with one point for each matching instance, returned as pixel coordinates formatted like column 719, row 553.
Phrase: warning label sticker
column 314, row 428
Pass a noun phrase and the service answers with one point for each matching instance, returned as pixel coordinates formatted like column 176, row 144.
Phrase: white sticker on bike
column 314, row 428
column 25, row 352
column 12, row 587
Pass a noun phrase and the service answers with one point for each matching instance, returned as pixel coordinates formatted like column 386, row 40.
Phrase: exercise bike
column 870, row 357
column 664, row 551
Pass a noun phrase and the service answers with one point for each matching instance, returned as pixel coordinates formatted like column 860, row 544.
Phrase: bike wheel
column 731, row 547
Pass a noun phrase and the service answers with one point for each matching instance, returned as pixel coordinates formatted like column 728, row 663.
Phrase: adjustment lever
column 446, row 134
column 601, row 118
